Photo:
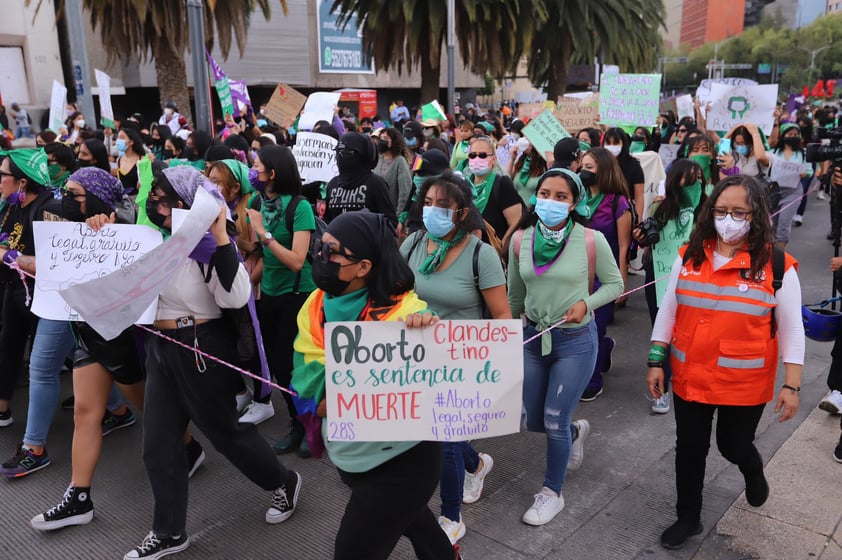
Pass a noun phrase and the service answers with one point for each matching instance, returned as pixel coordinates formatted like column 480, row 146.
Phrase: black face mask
column 366, row 129
column 350, row 162
column 793, row 142
column 326, row 277
column 71, row 209
column 167, row 154
column 94, row 206
column 84, row 162
column 152, row 213
column 588, row 178
column 382, row 146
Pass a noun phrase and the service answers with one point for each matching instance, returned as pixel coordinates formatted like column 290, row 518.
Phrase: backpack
column 635, row 219
column 289, row 219
column 590, row 249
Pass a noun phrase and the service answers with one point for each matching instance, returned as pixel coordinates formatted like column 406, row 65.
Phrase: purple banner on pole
column 240, row 93
column 218, row 74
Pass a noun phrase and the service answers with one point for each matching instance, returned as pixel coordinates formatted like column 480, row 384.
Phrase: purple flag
column 240, row 93
column 218, row 74
column 793, row 103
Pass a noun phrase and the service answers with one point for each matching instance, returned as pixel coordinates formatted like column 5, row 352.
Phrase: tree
column 623, row 32
column 492, row 34
column 138, row 28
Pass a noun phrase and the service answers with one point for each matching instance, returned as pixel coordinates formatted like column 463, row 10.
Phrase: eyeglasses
column 5, row 174
column 480, row 155
column 323, row 251
column 737, row 215
column 682, row 130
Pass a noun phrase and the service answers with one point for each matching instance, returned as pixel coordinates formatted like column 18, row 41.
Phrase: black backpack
column 289, row 218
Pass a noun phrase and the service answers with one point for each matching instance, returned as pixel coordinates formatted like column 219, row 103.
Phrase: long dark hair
column 759, row 239
column 280, row 160
column 137, row 140
column 684, row 171
column 201, row 142
column 398, row 147
column 593, row 136
column 530, row 218
column 609, row 175
column 621, row 136
column 99, row 153
column 747, row 138
column 707, row 141
column 454, row 191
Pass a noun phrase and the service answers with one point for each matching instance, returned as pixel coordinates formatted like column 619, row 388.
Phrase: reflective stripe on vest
column 740, row 364
column 705, row 288
column 723, row 305
column 679, row 355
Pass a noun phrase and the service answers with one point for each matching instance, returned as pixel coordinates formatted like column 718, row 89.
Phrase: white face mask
column 168, row 111
column 522, row 144
column 80, row 123
column 615, row 150
column 730, row 230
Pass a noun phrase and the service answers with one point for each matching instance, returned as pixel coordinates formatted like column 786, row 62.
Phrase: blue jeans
column 22, row 132
column 457, row 457
column 52, row 344
column 552, row 386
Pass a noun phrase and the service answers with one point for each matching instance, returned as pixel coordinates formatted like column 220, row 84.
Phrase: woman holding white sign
column 455, row 273
column 546, row 287
column 788, row 165
column 362, row 277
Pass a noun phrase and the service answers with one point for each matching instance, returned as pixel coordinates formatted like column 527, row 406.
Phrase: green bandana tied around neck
column 32, row 162
column 549, row 242
column 691, row 195
column 434, row 259
column 593, row 202
column 272, row 210
column 482, row 192
column 704, row 160
column 637, row 147
column 523, row 175
column 346, row 307
column 584, row 146
column 58, row 178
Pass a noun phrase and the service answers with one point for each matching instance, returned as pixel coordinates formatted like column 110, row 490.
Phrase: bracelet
column 657, row 353
column 10, row 256
column 654, row 363
column 791, row 388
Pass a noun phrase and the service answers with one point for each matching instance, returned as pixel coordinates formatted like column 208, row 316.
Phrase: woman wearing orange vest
column 723, row 316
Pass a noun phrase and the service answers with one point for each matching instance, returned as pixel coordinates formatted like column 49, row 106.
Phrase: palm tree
column 624, row 32
column 138, row 28
column 492, row 34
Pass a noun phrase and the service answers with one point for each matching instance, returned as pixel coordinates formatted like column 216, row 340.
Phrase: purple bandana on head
column 101, row 184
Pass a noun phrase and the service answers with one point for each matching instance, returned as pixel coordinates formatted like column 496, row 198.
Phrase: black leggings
column 18, row 324
column 735, row 429
column 390, row 501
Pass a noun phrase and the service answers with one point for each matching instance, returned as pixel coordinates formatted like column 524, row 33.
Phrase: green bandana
column 691, row 195
column 32, row 162
column 584, row 146
column 482, row 192
column 593, row 203
column 523, row 175
column 241, row 174
column 346, row 307
column 637, row 146
column 434, row 259
column 58, row 178
column 704, row 160
column 272, row 210
column 549, row 242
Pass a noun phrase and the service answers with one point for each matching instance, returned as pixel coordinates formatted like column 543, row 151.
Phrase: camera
column 830, row 148
column 650, row 228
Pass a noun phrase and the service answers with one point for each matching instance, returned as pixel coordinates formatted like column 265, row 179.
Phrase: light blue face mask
column 121, row 145
column 438, row 221
column 411, row 142
column 742, row 150
column 551, row 212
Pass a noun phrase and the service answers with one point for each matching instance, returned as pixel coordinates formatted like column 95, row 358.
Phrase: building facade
column 703, row 21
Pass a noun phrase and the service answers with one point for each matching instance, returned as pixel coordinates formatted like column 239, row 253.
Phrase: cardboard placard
column 544, row 131
column 578, row 113
column 284, row 105
column 315, row 155
column 629, row 99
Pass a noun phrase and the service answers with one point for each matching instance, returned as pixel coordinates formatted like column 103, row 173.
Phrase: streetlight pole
column 196, row 27
column 451, row 63
column 813, row 53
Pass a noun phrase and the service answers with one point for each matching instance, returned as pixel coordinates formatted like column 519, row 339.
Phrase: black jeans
column 176, row 393
column 735, row 429
column 390, row 501
column 834, row 375
column 279, row 326
column 18, row 324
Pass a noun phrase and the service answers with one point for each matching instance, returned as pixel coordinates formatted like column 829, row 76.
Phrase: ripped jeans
column 552, row 387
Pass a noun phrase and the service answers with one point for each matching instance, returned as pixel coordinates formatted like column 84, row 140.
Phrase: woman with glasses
column 732, row 298
column 685, row 125
column 495, row 195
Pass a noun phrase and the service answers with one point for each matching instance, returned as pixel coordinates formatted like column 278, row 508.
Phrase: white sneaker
column 454, row 530
column 832, row 403
column 546, row 506
column 257, row 412
column 821, row 195
column 662, row 404
column 798, row 219
column 472, row 490
column 577, row 449
column 243, row 399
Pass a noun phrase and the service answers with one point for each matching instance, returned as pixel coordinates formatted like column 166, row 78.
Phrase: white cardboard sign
column 315, row 155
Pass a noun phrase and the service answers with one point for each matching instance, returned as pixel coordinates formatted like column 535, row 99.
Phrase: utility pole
column 451, row 47
column 813, row 53
column 81, row 66
column 196, row 25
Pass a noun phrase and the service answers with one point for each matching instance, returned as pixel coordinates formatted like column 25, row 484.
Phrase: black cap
column 433, row 162
column 566, row 151
column 170, row 104
column 413, row 129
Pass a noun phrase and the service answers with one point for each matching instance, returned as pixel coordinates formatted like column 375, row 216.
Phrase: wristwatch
column 267, row 239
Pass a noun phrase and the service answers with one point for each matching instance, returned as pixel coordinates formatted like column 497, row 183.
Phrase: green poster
column 544, row 131
column 629, row 99
column 673, row 235
column 223, row 90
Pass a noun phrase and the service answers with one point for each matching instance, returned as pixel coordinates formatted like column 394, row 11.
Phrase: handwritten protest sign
column 58, row 106
column 544, row 131
column 653, row 176
column 453, row 381
column 629, row 99
column 319, row 107
column 316, row 156
column 668, row 153
column 578, row 113
column 106, row 112
column 70, row 253
column 684, row 106
column 116, row 301
column 284, row 105
column 704, row 89
column 787, row 172
column 733, row 105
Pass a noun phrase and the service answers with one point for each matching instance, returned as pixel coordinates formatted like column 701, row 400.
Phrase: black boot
column 678, row 533
column 757, row 489
column 292, row 440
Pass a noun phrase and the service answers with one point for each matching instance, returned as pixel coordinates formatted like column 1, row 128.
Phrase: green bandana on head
column 241, row 174
column 32, row 162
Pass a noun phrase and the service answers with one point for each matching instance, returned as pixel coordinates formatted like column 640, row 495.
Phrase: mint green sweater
column 545, row 299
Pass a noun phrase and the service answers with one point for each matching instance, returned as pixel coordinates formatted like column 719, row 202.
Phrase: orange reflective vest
column 722, row 349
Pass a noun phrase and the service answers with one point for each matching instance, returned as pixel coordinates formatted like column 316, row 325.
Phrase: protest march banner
column 576, row 113
column 70, row 253
column 451, row 381
column 58, row 107
column 106, row 112
column 114, row 302
column 544, row 131
column 629, row 99
column 733, row 105
column 703, row 91
column 319, row 107
column 684, row 107
column 316, row 156
column 284, row 105
column 668, row 153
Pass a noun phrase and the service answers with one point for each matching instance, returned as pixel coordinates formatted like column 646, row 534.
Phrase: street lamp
column 716, row 55
column 813, row 53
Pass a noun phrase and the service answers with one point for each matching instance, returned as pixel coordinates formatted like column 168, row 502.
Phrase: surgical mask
column 729, row 229
column 412, row 142
column 522, row 144
column 588, row 178
column 551, row 212
column 428, row 132
column 636, row 147
column 255, row 181
column 479, row 167
column 80, row 123
column 438, row 221
column 122, row 145
column 741, row 150
column 261, row 123
column 615, row 150
column 253, row 154
column 168, row 111
column 326, row 277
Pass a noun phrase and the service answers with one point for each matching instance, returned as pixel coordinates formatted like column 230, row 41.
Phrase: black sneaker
column 611, row 344
column 837, row 453
column 195, row 457
column 590, row 395
column 757, row 489
column 112, row 422
column 678, row 533
column 24, row 462
column 75, row 508
column 6, row 418
column 154, row 547
column 284, row 499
